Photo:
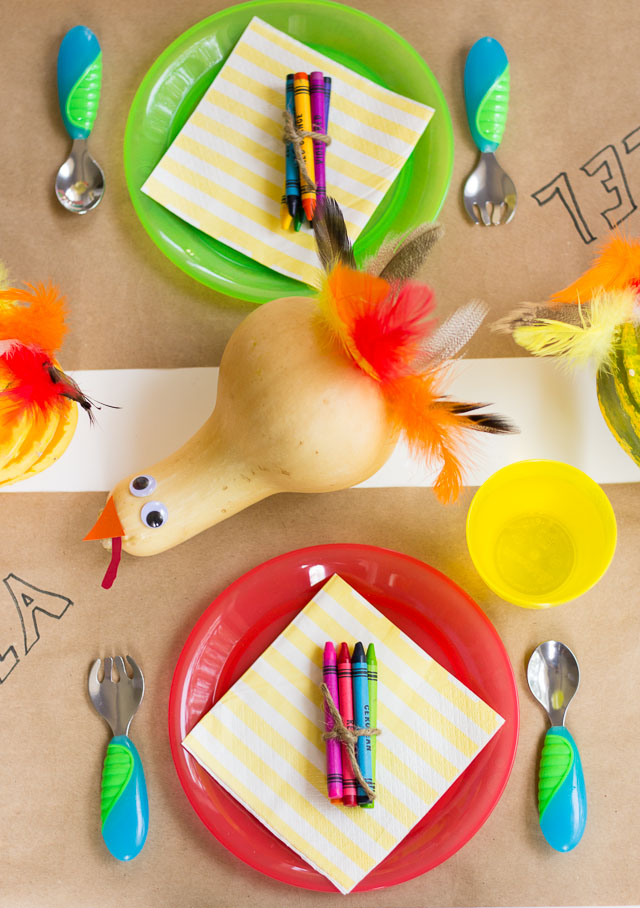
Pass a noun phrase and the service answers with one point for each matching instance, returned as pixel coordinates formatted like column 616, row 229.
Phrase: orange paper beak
column 108, row 525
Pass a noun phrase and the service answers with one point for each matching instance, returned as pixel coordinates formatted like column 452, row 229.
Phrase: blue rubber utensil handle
column 79, row 80
column 486, row 92
column 562, row 797
column 124, row 801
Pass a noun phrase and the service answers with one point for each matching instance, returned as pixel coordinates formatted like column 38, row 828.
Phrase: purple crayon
column 318, row 124
column 334, row 753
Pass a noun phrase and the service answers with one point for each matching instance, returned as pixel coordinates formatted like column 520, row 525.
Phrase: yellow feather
column 578, row 345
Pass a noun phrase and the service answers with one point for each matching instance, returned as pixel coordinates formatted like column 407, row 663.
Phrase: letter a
column 29, row 600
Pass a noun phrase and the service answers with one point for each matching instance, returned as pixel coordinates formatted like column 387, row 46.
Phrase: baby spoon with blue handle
column 553, row 677
column 80, row 180
column 489, row 194
column 124, row 801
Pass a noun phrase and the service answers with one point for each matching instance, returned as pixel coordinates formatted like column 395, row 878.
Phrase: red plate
column 426, row 605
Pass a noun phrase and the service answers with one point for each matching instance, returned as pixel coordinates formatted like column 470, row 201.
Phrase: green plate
column 180, row 77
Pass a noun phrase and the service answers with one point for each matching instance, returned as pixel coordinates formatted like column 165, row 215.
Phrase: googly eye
column 142, row 485
column 154, row 514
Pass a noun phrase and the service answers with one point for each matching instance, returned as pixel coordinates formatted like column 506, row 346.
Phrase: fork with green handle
column 124, row 801
column 489, row 194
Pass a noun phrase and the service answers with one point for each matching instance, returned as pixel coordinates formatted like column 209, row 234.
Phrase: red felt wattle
column 114, row 563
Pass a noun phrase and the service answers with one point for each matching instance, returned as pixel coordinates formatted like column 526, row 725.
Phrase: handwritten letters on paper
column 31, row 602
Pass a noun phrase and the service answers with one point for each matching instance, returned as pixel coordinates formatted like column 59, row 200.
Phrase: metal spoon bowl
column 80, row 181
column 553, row 677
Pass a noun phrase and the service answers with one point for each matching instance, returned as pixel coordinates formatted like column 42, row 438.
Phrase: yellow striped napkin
column 262, row 740
column 224, row 173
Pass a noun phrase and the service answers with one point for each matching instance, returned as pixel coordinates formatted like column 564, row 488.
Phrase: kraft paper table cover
column 262, row 740
column 224, row 172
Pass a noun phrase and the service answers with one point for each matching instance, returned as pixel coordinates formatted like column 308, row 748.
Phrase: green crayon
column 372, row 677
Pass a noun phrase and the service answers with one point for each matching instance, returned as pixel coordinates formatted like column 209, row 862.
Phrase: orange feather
column 33, row 316
column 345, row 296
column 617, row 266
column 386, row 328
column 32, row 328
column 381, row 325
column 432, row 428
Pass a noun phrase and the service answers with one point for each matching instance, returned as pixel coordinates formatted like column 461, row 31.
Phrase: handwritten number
column 614, row 182
column 561, row 187
column 632, row 141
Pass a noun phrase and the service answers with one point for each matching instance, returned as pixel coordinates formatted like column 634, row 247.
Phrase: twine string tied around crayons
column 348, row 737
column 293, row 135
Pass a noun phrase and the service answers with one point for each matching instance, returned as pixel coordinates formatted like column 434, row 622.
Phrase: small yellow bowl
column 540, row 533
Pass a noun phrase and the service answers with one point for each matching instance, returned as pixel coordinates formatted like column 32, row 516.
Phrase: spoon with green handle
column 553, row 677
column 80, row 181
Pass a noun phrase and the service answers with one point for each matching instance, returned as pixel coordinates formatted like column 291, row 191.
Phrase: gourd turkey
column 312, row 397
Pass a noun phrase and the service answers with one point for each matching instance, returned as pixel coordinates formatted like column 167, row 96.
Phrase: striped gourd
column 619, row 389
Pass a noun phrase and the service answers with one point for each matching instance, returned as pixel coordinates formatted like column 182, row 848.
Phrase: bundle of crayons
column 307, row 100
column 353, row 685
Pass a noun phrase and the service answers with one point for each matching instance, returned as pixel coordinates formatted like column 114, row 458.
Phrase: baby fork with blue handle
column 489, row 194
column 124, row 802
column 80, row 180
column 553, row 677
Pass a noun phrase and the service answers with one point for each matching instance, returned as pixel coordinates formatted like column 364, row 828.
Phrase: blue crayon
column 327, row 101
column 292, row 171
column 360, row 676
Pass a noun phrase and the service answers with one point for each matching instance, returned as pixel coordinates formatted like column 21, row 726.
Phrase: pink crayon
column 334, row 754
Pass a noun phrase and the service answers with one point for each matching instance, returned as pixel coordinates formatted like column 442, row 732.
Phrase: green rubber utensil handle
column 79, row 80
column 486, row 92
column 124, row 805
column 562, row 797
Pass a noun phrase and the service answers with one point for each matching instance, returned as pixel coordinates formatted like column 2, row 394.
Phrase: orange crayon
column 302, row 100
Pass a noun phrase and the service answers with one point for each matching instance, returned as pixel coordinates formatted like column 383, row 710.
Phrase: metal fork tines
column 489, row 193
column 116, row 701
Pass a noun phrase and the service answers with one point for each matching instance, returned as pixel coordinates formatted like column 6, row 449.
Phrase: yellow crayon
column 302, row 100
column 285, row 218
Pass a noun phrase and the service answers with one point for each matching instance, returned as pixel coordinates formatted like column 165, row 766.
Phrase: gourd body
column 618, row 385
column 293, row 413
